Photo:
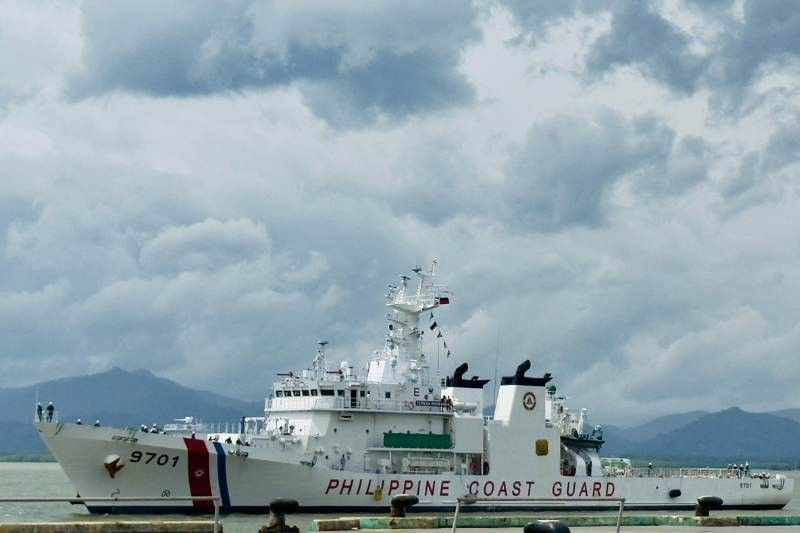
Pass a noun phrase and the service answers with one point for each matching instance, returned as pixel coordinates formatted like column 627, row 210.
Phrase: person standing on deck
column 39, row 411
column 50, row 410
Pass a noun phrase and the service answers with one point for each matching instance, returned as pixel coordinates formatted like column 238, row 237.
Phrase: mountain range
column 731, row 435
column 130, row 398
column 116, row 397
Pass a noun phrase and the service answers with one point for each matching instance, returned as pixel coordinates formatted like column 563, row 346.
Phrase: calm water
column 48, row 480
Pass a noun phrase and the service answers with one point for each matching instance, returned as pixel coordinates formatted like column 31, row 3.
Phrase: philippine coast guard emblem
column 529, row 401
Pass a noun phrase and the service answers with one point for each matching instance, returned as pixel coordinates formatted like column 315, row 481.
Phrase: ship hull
column 246, row 479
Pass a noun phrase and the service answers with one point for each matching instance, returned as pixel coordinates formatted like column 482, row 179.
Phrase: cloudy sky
column 204, row 190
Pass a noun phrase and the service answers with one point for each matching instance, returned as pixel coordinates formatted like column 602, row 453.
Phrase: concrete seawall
column 498, row 521
column 105, row 526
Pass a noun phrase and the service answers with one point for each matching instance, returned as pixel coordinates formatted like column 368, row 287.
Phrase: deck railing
column 53, row 418
column 718, row 473
column 214, row 499
column 350, row 404
column 430, row 296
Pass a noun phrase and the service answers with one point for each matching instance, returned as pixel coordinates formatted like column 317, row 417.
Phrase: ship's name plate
column 388, row 487
column 430, row 403
column 124, row 438
column 483, row 487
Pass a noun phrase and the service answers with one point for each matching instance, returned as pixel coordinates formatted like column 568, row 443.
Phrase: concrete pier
column 108, row 526
column 656, row 529
column 517, row 522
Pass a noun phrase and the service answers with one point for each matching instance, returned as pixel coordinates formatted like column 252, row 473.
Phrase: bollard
column 545, row 526
column 706, row 503
column 401, row 503
column 278, row 509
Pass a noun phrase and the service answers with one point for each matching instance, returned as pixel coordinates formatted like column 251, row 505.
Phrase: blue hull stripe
column 222, row 476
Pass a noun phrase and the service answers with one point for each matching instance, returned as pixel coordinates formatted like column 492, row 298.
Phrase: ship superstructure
column 348, row 438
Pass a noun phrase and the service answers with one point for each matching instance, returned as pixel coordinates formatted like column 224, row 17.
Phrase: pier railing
column 470, row 499
column 214, row 499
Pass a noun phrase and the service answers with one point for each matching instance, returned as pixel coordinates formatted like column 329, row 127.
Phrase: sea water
column 42, row 480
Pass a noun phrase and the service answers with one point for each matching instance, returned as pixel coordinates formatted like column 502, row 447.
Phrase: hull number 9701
column 152, row 457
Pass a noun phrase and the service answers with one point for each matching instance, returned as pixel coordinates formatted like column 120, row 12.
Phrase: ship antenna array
column 319, row 362
column 494, row 381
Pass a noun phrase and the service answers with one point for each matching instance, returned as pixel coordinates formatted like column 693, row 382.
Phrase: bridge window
column 305, row 392
column 388, row 395
column 326, row 392
column 295, row 393
column 313, row 392
column 278, row 393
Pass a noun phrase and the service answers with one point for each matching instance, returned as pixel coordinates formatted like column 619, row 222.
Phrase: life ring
column 410, row 404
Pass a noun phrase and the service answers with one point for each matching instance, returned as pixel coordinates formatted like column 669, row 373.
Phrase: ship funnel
column 457, row 380
column 518, row 394
column 519, row 377
column 465, row 393
column 522, row 368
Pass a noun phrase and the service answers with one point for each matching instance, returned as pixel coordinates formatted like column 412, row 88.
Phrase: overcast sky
column 206, row 189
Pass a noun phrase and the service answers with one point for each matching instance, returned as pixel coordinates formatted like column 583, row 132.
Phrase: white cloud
column 565, row 171
column 39, row 44
column 623, row 231
column 376, row 62
column 204, row 245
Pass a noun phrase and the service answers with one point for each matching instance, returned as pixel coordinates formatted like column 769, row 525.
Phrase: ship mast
column 402, row 358
column 319, row 365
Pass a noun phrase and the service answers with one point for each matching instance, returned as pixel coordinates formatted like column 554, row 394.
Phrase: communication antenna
column 494, row 381
column 322, row 367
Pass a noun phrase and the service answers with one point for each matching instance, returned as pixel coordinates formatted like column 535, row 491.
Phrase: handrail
column 470, row 499
column 303, row 403
column 79, row 499
column 673, row 472
column 54, row 418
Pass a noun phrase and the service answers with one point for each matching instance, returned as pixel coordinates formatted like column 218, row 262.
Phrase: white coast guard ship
column 339, row 440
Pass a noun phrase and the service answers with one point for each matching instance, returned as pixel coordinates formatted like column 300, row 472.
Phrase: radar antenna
column 319, row 361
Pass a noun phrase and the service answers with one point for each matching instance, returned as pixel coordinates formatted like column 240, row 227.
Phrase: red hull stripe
column 199, row 471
